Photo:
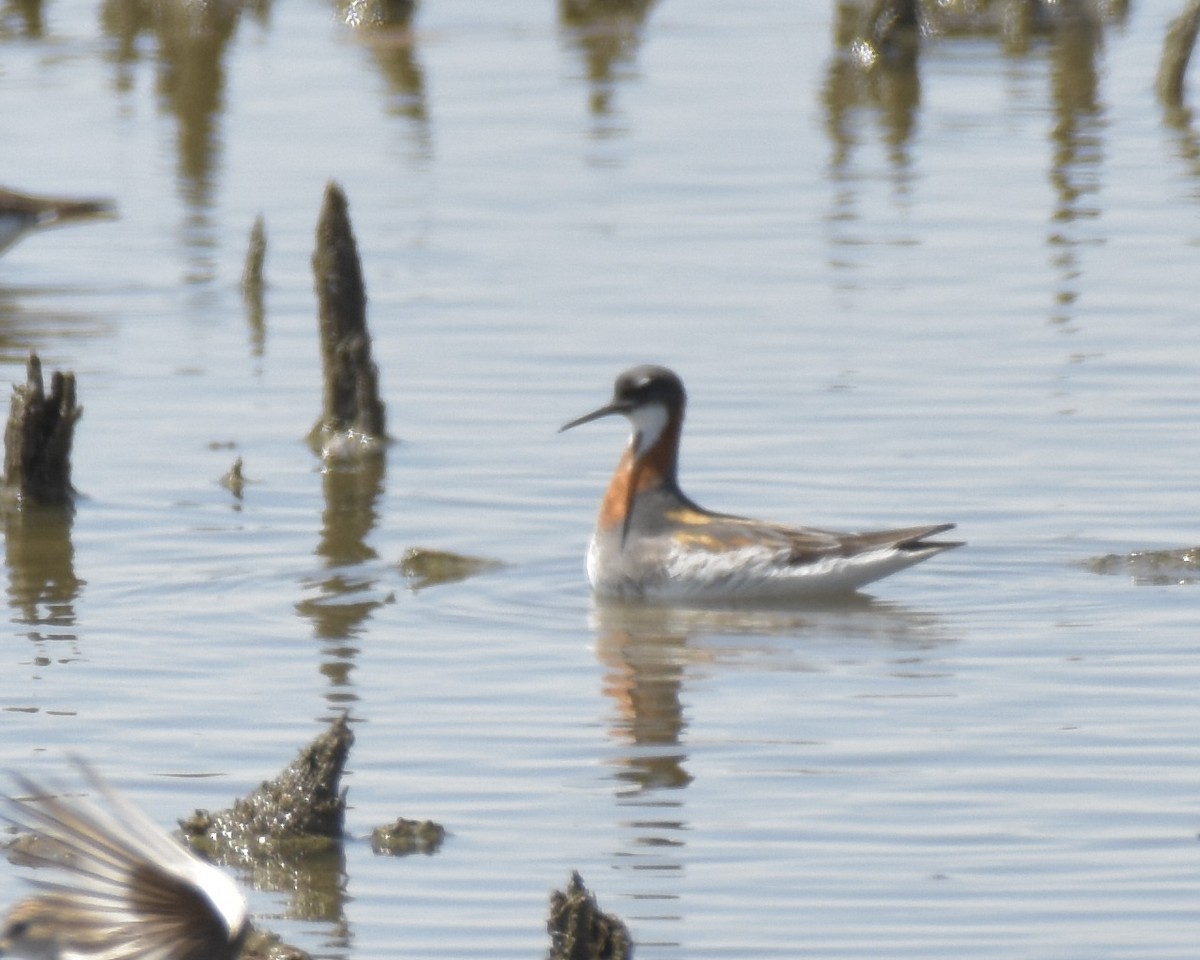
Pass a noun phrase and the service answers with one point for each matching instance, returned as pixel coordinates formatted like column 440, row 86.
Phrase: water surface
column 964, row 293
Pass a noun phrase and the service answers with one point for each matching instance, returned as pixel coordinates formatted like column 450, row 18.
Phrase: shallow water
column 967, row 296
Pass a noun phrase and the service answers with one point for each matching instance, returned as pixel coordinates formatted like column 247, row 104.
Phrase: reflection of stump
column 253, row 285
column 353, row 414
column 37, row 439
column 394, row 14
column 256, row 255
column 1177, row 51
column 43, row 586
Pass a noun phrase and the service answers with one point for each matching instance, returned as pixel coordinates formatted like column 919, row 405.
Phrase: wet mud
column 402, row 837
column 1152, row 567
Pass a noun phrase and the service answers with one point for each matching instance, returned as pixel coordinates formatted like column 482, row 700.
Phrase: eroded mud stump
column 402, row 837
column 1153, row 567
column 580, row 930
column 287, row 834
column 352, row 418
column 303, row 809
column 234, row 480
column 38, row 437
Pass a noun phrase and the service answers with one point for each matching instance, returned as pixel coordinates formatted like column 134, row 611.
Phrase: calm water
column 968, row 294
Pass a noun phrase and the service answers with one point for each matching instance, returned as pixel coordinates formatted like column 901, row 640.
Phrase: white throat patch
column 648, row 424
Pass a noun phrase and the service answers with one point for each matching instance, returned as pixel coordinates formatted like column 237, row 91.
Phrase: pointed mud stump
column 235, row 480
column 353, row 418
column 580, row 930
column 37, row 439
column 300, row 811
column 402, row 837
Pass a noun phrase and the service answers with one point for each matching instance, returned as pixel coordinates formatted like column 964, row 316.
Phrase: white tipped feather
column 125, row 890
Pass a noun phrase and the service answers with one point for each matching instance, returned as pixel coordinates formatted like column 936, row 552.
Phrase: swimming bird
column 651, row 542
column 22, row 213
column 125, row 889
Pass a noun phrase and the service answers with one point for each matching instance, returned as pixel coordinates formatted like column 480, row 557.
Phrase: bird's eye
column 18, row 928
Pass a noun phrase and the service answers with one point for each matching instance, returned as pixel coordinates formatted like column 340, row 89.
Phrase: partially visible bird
column 652, row 542
column 22, row 213
column 124, row 890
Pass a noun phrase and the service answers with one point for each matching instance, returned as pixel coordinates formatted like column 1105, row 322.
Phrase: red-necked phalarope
column 652, row 542
column 125, row 889
column 22, row 213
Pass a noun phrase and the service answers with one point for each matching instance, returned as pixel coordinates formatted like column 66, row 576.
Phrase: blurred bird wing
column 696, row 529
column 125, row 883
